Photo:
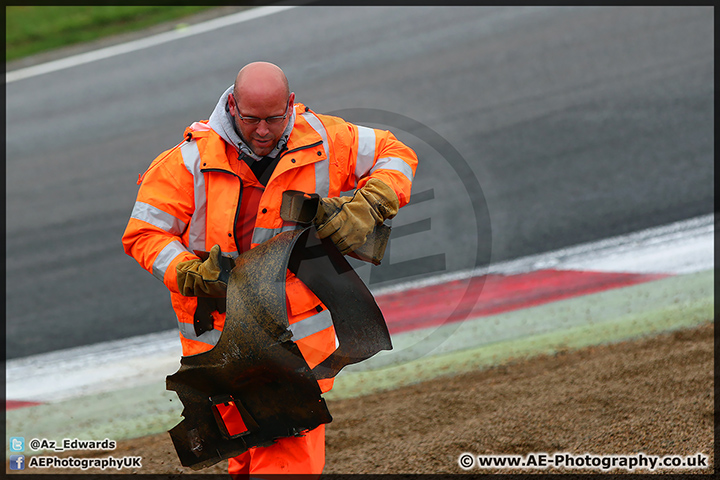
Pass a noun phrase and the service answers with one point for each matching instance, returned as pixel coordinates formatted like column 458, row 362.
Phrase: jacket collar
column 303, row 135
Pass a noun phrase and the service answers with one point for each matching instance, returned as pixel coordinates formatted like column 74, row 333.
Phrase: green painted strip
column 676, row 302
column 551, row 317
column 116, row 415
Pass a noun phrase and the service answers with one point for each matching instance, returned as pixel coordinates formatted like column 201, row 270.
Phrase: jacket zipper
column 237, row 211
column 237, row 215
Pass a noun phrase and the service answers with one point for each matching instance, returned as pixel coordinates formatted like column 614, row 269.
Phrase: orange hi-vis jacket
column 189, row 200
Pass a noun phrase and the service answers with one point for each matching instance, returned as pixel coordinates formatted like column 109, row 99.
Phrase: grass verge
column 34, row 29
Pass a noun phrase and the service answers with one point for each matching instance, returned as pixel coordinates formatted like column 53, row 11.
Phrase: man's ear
column 232, row 107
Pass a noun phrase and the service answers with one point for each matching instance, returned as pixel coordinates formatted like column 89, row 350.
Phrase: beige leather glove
column 349, row 220
column 196, row 278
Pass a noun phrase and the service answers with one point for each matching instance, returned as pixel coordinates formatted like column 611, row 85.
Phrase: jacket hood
column 222, row 122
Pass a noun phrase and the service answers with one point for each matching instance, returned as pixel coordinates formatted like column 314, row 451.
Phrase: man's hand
column 349, row 220
column 196, row 278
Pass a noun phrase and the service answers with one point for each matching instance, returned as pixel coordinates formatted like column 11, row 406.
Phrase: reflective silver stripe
column 196, row 232
column 310, row 325
column 397, row 164
column 210, row 337
column 261, row 235
column 158, row 218
column 302, row 329
column 165, row 257
column 365, row 151
column 322, row 168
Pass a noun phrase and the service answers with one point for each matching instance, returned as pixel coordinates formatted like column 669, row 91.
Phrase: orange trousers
column 290, row 455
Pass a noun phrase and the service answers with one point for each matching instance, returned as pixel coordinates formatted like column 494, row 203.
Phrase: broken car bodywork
column 256, row 367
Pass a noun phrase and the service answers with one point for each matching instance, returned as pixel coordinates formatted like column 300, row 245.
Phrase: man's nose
column 262, row 128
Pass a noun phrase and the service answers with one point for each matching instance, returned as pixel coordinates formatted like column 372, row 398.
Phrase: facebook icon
column 17, row 462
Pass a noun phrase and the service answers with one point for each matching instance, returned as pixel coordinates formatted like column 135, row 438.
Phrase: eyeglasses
column 270, row 120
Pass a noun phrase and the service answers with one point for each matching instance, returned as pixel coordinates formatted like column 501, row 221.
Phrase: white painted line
column 103, row 53
column 106, row 366
column 687, row 255
column 682, row 247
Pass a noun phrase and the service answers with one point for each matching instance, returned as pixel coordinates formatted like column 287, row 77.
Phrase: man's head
column 261, row 92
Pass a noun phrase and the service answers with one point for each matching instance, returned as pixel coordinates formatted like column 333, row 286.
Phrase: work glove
column 349, row 220
column 209, row 278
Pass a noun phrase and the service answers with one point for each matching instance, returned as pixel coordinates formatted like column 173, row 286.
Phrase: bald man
column 220, row 190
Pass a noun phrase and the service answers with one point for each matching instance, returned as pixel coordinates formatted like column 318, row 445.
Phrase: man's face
column 261, row 121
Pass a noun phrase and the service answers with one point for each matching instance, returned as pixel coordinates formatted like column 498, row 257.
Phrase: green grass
column 35, row 29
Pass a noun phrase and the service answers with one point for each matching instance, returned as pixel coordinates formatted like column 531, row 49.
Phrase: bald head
column 260, row 80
